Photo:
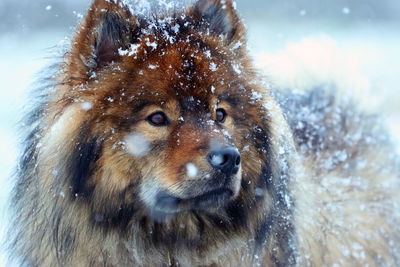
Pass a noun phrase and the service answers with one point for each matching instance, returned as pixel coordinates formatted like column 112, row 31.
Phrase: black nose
column 226, row 160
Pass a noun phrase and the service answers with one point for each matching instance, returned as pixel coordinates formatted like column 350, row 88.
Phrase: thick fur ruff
column 119, row 170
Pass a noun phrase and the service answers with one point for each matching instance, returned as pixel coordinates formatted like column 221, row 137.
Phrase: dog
column 157, row 144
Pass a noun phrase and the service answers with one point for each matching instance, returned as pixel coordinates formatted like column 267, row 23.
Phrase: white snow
column 237, row 45
column 217, row 159
column 131, row 51
column 256, row 95
column 122, row 52
column 346, row 10
column 234, row 5
column 236, row 68
column 191, row 170
column 175, row 28
column 213, row 66
column 259, row 192
column 86, row 106
column 137, row 145
column 152, row 44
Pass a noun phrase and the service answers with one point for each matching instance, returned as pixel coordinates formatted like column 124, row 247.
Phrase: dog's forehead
column 189, row 72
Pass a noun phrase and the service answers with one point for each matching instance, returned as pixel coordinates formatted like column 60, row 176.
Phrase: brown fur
column 82, row 199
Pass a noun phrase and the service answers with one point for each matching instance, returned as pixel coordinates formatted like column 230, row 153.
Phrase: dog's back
column 347, row 188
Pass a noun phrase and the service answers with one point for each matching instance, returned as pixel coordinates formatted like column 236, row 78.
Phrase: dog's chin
column 168, row 206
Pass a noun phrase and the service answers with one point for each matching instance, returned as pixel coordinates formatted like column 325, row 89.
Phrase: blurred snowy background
column 354, row 44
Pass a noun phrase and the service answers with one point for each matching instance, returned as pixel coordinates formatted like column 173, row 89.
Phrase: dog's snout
column 226, row 159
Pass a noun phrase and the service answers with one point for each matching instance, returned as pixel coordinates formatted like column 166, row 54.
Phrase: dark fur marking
column 238, row 213
column 277, row 219
column 263, row 232
column 81, row 165
column 63, row 237
column 233, row 101
column 111, row 218
column 160, row 236
column 120, row 219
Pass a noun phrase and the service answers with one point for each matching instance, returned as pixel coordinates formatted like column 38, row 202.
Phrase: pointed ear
column 221, row 18
column 108, row 26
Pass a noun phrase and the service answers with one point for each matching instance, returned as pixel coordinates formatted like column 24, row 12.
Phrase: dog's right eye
column 158, row 119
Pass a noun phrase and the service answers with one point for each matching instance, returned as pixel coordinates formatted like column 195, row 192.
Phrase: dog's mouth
column 168, row 205
column 209, row 195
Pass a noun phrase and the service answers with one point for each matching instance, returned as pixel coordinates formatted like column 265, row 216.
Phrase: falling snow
column 191, row 170
column 153, row 67
column 236, row 68
column 217, row 159
column 346, row 10
column 86, row 106
column 213, row 66
column 137, row 145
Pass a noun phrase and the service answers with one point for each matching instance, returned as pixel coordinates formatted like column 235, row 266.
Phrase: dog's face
column 180, row 133
column 185, row 146
column 168, row 117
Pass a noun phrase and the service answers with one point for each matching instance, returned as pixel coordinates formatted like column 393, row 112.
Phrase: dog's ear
column 107, row 27
column 221, row 18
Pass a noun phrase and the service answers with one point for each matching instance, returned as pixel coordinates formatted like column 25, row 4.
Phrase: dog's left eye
column 221, row 115
column 158, row 119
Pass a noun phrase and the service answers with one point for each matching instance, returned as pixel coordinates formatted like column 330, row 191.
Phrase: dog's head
column 163, row 113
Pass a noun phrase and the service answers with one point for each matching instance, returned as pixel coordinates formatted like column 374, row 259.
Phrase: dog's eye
column 158, row 119
column 221, row 115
